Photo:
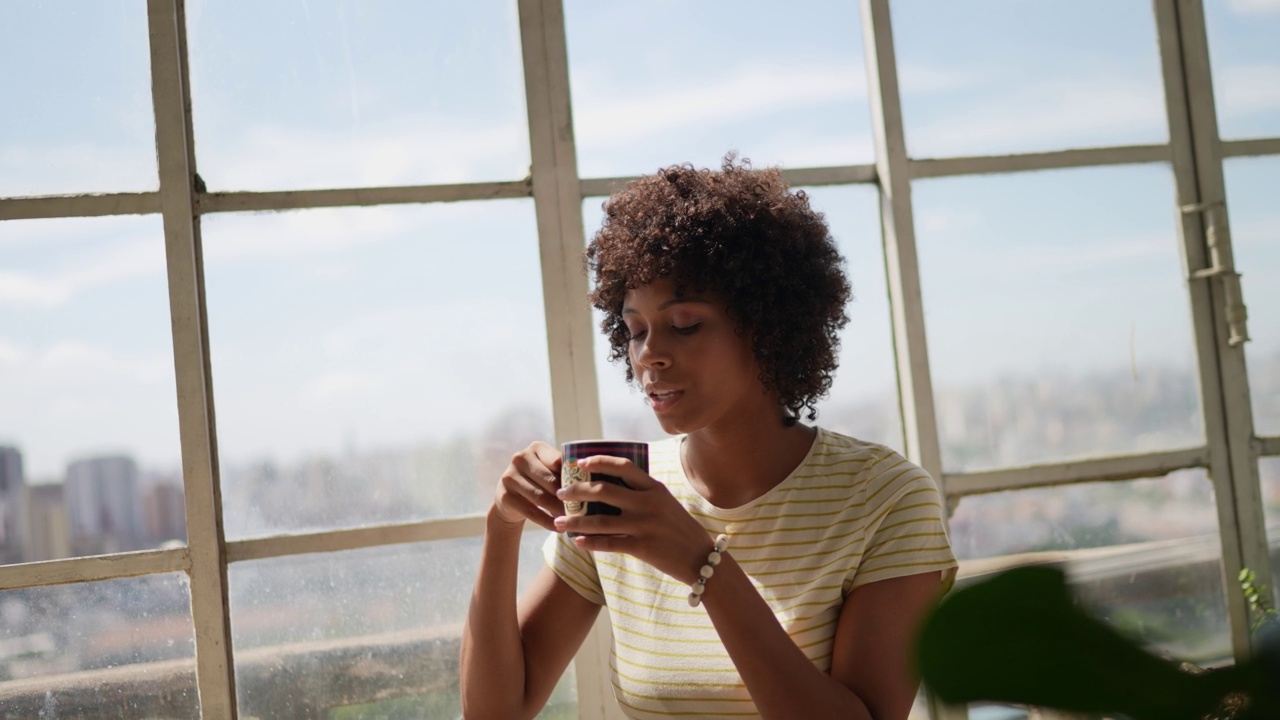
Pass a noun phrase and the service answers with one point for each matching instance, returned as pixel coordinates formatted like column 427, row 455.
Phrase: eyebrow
column 673, row 301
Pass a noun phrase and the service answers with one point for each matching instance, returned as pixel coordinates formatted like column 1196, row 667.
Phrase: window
column 271, row 326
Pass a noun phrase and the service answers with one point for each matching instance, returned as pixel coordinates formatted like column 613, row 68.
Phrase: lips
column 661, row 399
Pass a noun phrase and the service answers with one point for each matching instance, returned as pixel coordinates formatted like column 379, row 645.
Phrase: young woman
column 724, row 293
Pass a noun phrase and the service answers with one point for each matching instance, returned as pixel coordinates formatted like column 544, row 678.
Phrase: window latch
column 1220, row 267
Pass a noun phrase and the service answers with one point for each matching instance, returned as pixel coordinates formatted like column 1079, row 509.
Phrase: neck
column 731, row 466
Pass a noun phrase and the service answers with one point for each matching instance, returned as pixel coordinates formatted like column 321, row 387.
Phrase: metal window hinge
column 1220, row 266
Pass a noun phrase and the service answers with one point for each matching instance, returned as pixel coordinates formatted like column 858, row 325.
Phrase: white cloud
column 76, row 168
column 947, row 219
column 1254, row 7
column 116, row 262
column 1052, row 113
column 605, row 117
column 415, row 150
column 1249, row 88
column 1081, row 254
column 335, row 384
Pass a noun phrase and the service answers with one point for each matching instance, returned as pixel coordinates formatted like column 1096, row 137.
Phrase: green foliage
column 1259, row 608
column 1019, row 638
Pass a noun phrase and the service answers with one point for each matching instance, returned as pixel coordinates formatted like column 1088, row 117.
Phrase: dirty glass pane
column 694, row 80
column 362, row 634
column 89, row 452
column 331, row 93
column 1143, row 554
column 1058, row 319
column 1269, row 470
column 373, row 364
column 76, row 88
column 1252, row 184
column 110, row 650
column 1245, row 59
column 986, row 77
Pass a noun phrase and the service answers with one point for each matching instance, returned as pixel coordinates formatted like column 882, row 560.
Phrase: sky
column 374, row 327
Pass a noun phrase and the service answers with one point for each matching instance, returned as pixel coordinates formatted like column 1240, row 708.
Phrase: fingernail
column 561, row 492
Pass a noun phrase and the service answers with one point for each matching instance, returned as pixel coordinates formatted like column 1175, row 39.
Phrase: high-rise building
column 13, row 506
column 49, row 532
column 103, row 505
column 164, row 513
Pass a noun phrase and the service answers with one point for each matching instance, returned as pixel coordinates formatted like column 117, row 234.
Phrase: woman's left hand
column 653, row 527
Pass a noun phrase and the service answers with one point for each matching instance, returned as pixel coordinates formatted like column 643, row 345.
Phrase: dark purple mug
column 570, row 473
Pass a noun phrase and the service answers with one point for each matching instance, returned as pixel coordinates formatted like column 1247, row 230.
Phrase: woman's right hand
column 528, row 487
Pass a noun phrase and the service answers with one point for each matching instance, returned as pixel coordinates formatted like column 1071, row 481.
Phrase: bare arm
column 871, row 666
column 513, row 653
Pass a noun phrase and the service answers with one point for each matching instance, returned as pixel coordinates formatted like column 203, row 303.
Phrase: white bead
column 694, row 600
column 707, row 571
column 713, row 559
column 698, row 588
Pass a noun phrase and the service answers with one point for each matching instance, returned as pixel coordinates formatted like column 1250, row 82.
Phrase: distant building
column 13, row 506
column 103, row 505
column 164, row 514
column 49, row 532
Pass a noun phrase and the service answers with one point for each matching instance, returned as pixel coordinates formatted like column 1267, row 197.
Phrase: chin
column 671, row 426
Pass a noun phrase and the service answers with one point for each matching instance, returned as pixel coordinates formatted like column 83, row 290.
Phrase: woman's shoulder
column 865, row 462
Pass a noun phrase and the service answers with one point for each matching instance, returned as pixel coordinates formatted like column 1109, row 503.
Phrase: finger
column 634, row 477
column 539, row 465
column 549, row 455
column 531, row 512
column 623, row 525
column 604, row 543
column 534, row 493
column 599, row 491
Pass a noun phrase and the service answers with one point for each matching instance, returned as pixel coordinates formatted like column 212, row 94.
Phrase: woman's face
column 694, row 369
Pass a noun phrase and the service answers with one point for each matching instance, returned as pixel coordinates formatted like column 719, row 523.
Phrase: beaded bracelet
column 699, row 586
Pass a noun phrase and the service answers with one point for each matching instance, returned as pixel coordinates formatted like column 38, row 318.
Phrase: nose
column 650, row 354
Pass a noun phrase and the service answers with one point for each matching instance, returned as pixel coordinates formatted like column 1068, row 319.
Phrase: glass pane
column 129, row 642
column 655, row 88
column 1142, row 554
column 1245, row 59
column 1058, row 320
column 863, row 400
column 1002, row 76
column 373, row 365
column 1269, row 471
column 340, row 94
column 362, row 634
column 88, row 421
column 80, row 72
column 1255, row 243
column 864, row 397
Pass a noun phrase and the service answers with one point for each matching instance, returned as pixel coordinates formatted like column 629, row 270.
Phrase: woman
column 724, row 293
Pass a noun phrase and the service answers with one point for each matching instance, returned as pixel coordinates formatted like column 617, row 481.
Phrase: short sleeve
column 906, row 532
column 575, row 566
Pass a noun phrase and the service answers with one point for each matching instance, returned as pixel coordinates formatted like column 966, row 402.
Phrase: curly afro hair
column 740, row 235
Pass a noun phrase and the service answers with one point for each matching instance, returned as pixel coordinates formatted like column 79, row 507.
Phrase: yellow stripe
column 667, row 668
column 674, row 713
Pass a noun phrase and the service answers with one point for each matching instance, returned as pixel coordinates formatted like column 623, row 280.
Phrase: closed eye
column 686, row 330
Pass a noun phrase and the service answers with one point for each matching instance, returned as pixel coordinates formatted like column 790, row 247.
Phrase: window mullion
column 557, row 199
column 915, row 388
column 1228, row 417
column 209, row 609
column 902, row 270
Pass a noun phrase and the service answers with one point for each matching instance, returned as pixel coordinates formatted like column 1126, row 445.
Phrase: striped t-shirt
column 852, row 513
